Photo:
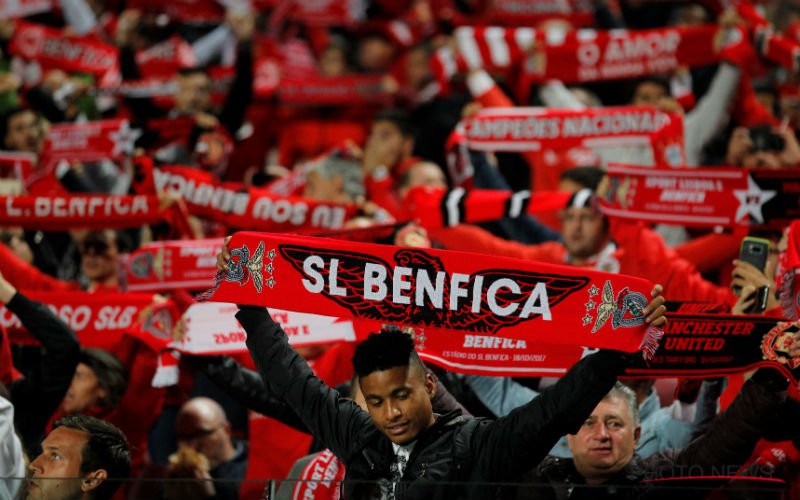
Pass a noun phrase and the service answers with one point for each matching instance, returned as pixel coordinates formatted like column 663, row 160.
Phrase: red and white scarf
column 538, row 129
column 434, row 208
column 89, row 141
column 51, row 48
column 437, row 289
column 238, row 206
column 90, row 211
column 704, row 197
column 171, row 265
column 99, row 319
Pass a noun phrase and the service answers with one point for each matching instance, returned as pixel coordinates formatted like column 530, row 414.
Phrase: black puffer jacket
column 455, row 448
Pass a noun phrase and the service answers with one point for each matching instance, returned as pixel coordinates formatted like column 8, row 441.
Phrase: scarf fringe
column 206, row 296
column 650, row 343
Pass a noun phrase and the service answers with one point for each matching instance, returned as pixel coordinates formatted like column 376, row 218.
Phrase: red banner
column 236, row 206
column 332, row 91
column 53, row 49
column 594, row 55
column 537, row 129
column 91, row 211
column 99, row 319
column 90, row 141
column 171, row 265
column 430, row 288
column 705, row 197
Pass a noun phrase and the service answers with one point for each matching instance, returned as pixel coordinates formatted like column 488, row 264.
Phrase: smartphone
column 755, row 251
column 760, row 303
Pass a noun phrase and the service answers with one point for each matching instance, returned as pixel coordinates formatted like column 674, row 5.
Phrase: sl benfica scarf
column 89, row 141
column 586, row 54
column 332, row 91
column 211, row 329
column 235, row 205
column 455, row 291
column 173, row 265
column 704, row 197
column 537, row 129
column 52, row 49
column 91, row 211
column 99, row 319
column 434, row 208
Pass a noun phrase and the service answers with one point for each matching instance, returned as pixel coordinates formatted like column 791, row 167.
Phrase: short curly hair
column 388, row 349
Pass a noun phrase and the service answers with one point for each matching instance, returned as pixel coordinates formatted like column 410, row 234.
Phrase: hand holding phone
column 754, row 251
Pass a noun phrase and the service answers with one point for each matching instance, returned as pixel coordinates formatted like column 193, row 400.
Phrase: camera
column 764, row 139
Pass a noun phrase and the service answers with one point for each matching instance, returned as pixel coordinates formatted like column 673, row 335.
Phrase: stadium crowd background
column 348, row 104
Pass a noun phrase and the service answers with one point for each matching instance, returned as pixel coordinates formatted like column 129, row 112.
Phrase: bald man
column 206, row 450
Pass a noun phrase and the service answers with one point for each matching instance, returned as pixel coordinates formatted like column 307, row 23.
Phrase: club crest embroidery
column 778, row 341
column 147, row 264
column 626, row 310
column 243, row 267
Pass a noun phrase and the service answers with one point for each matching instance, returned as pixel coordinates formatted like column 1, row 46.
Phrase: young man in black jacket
column 399, row 447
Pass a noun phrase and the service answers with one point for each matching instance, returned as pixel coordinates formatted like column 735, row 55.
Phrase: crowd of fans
column 357, row 104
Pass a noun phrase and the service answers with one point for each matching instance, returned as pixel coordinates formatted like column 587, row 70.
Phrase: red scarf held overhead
column 173, row 265
column 587, row 54
column 594, row 55
column 98, row 319
column 771, row 45
column 539, row 129
column 52, row 49
column 235, row 205
column 429, row 288
column 704, row 197
column 332, row 91
column 89, row 141
column 693, row 345
column 211, row 329
column 434, row 208
column 91, row 211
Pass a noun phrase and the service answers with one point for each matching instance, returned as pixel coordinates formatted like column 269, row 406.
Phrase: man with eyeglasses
column 206, row 451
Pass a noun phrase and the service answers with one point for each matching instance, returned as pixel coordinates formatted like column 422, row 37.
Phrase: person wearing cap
column 594, row 241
